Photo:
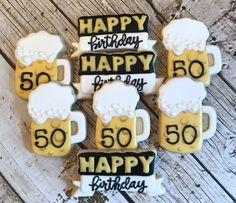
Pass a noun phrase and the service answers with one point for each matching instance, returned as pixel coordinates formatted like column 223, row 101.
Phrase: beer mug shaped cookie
column 36, row 62
column 126, row 170
column 116, row 126
column 181, row 120
column 185, row 40
column 51, row 130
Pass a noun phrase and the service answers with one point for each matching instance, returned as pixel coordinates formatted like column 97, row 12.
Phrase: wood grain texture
column 191, row 177
column 7, row 194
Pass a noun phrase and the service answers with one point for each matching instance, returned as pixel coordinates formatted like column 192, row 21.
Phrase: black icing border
column 136, row 69
column 131, row 30
column 137, row 170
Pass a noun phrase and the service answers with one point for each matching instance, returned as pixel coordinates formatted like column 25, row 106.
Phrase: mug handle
column 212, row 122
column 215, row 51
column 141, row 113
column 67, row 70
column 80, row 119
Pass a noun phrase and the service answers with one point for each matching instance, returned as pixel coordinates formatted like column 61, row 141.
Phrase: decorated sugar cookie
column 51, row 130
column 110, row 32
column 116, row 126
column 36, row 62
column 185, row 40
column 130, row 171
column 181, row 120
column 135, row 68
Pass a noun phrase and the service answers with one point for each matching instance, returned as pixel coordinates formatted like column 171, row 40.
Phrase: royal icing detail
column 118, row 171
column 127, row 31
column 51, row 130
column 112, row 100
column 37, row 63
column 135, row 68
column 180, row 94
column 50, row 100
column 38, row 46
column 183, row 34
column 181, row 121
column 116, row 126
column 188, row 55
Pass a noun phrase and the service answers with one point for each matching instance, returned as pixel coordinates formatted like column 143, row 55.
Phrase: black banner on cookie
column 108, row 24
column 116, row 63
column 117, row 163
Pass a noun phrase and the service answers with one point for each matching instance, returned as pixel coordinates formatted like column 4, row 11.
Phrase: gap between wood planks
column 12, row 189
column 162, row 20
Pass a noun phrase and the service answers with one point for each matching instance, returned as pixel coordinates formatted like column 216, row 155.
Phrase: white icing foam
column 115, row 99
column 181, row 94
column 38, row 46
column 50, row 101
column 183, row 34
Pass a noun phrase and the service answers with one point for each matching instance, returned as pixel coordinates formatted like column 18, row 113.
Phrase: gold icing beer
column 195, row 64
column 184, row 133
column 181, row 120
column 37, row 62
column 54, row 137
column 122, row 131
column 118, row 123
column 185, row 39
column 39, row 72
column 52, row 132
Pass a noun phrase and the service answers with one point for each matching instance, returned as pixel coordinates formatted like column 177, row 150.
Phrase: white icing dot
column 41, row 54
column 130, row 114
column 106, row 118
column 49, row 113
column 118, row 111
column 26, row 60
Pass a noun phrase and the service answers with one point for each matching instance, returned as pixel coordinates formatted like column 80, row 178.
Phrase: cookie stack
column 116, row 63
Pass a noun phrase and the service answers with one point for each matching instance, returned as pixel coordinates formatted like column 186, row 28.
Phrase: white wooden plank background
column 207, row 176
